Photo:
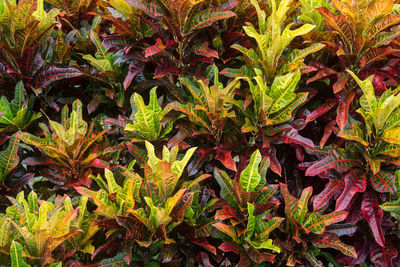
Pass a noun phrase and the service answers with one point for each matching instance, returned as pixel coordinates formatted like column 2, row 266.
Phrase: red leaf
column 158, row 47
column 373, row 214
column 275, row 166
column 341, row 229
column 383, row 256
column 135, row 67
column 293, row 136
column 355, row 181
column 328, row 105
column 52, row 74
column 323, row 72
column 164, row 70
column 344, row 98
column 205, row 51
column 336, row 159
column 328, row 129
column 203, row 259
column 226, row 212
column 202, row 242
column 334, row 186
column 229, row 247
column 225, row 157
column 261, row 257
column 342, row 79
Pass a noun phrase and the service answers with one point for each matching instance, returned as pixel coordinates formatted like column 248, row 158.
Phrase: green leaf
column 16, row 255
column 301, row 211
column 316, row 222
column 250, row 177
column 285, row 114
column 226, row 184
column 392, row 207
column 251, row 221
column 147, row 118
column 266, row 227
column 179, row 165
column 9, row 158
column 113, row 187
column 118, row 261
column 368, row 100
column 19, row 98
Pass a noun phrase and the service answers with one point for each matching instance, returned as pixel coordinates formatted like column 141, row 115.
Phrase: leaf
column 332, row 188
column 285, row 114
column 355, row 181
column 337, row 159
column 225, row 157
column 332, row 241
column 353, row 132
column 328, row 105
column 297, row 56
column 282, row 91
column 52, row 74
column 316, row 222
column 226, row 229
column 293, row 137
column 339, row 24
column 384, row 256
column 368, row 100
column 120, row 260
column 290, row 201
column 344, row 100
column 206, row 18
column 150, row 9
column 384, row 38
column 266, row 193
column 265, row 228
column 383, row 182
column 9, row 158
column 392, row 135
column 250, row 177
column 180, row 208
column 16, row 255
column 342, row 229
column 302, row 203
column 251, row 221
column 164, row 179
column 158, row 47
column 205, row 51
column 17, row 103
column 226, row 184
column 373, row 214
column 392, row 207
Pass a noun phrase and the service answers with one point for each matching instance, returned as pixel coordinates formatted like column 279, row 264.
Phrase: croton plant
column 199, row 133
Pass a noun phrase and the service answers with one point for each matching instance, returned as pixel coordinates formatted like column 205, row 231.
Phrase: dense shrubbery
column 199, row 133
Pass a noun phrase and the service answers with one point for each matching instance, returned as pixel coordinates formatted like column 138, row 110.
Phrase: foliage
column 247, row 228
column 41, row 227
column 217, row 133
column 210, row 106
column 16, row 115
column 272, row 38
column 70, row 146
column 148, row 119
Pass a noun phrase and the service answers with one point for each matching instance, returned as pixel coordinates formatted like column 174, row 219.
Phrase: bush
column 199, row 133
